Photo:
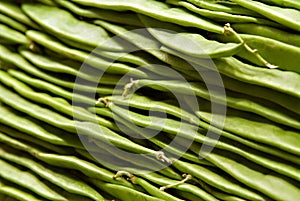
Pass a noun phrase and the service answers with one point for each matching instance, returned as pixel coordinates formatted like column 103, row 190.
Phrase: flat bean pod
column 286, row 3
column 15, row 175
column 283, row 81
column 109, row 15
column 15, row 192
column 49, row 17
column 13, row 36
column 235, row 101
column 273, row 135
column 56, row 176
column 97, row 62
column 157, row 10
column 14, row 11
column 268, row 32
column 126, row 193
column 189, row 43
column 286, row 16
column 224, row 17
column 33, row 129
column 12, row 23
column 217, row 181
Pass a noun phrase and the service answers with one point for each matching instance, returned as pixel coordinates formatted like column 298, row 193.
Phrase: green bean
column 283, row 139
column 199, row 47
column 86, row 128
column 283, row 81
column 20, row 135
column 13, row 36
column 14, row 11
column 125, row 193
column 157, row 10
column 160, row 180
column 284, row 100
column 28, row 126
column 286, row 3
column 268, row 183
column 268, row 32
column 220, row 16
column 58, row 104
column 66, row 66
column 12, row 23
column 215, row 180
column 65, row 161
column 285, row 16
column 276, row 52
column 17, row 176
column 233, row 9
column 20, row 62
column 56, row 176
column 93, row 35
column 97, row 62
column 113, row 16
column 174, row 127
column 233, row 100
column 160, row 142
column 14, row 192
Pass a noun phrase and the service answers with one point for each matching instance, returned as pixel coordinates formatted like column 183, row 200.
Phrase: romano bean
column 189, row 43
column 283, row 81
column 28, row 139
column 268, row 32
column 286, row 3
column 97, row 62
column 95, row 13
column 216, row 180
column 14, row 11
column 17, row 60
column 57, row 176
column 285, row 16
column 233, row 100
column 13, row 36
column 86, row 128
column 284, row 139
column 15, row 192
column 12, row 23
column 284, row 56
column 26, row 125
column 126, row 193
column 163, row 181
column 234, row 9
column 157, row 10
column 224, row 17
column 49, row 17
column 17, row 176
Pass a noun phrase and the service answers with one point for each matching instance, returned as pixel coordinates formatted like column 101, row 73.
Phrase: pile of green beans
column 173, row 100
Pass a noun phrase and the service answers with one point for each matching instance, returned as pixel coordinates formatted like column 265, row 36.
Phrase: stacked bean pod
column 149, row 100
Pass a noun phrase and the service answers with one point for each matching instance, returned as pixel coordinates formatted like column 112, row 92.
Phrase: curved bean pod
column 12, row 23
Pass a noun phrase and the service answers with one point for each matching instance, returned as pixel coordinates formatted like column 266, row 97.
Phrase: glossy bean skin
column 10, row 35
column 14, row 11
column 163, row 181
column 283, row 81
column 233, row 100
column 224, row 17
column 15, row 175
column 97, row 62
column 217, row 181
column 59, row 121
column 200, row 47
column 12, row 23
column 283, row 55
column 285, row 16
column 268, row 32
column 157, row 10
column 126, row 193
column 109, row 15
